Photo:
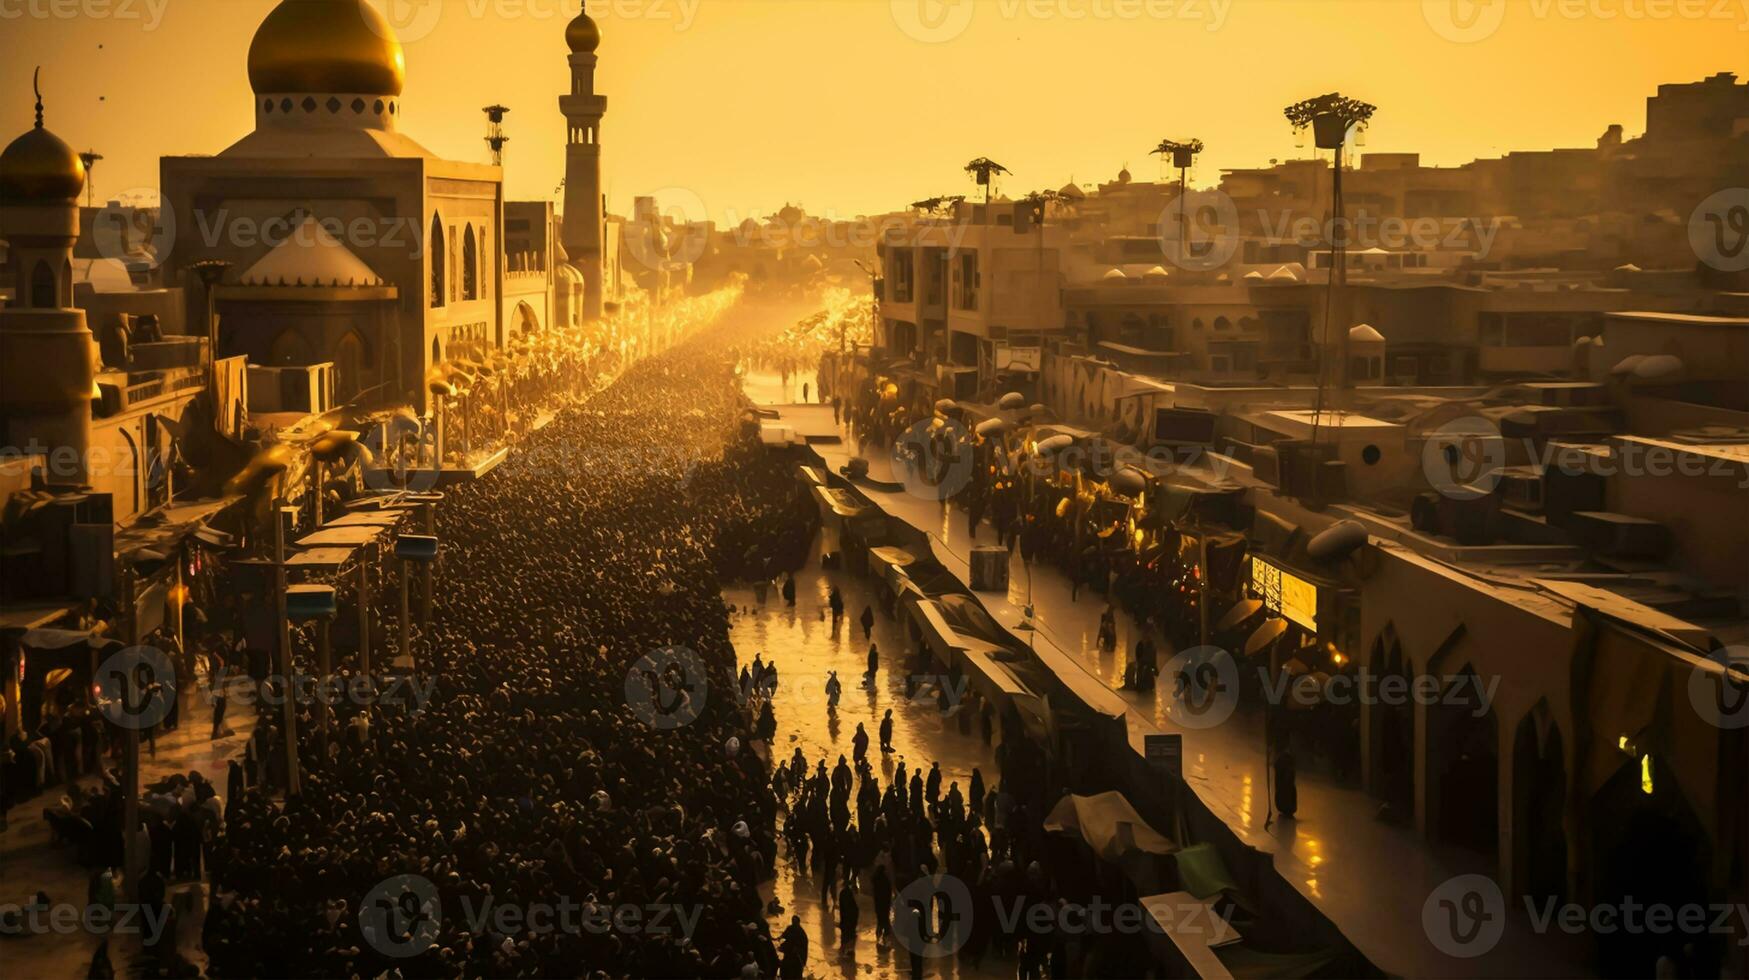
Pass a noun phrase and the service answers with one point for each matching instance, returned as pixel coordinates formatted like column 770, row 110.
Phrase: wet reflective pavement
column 805, row 644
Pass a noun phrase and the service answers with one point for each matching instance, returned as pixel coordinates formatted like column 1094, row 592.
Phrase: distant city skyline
column 730, row 110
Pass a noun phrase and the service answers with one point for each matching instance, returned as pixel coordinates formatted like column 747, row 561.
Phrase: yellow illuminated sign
column 1285, row 593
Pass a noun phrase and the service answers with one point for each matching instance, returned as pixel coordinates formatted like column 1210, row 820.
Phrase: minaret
column 48, row 361
column 583, row 110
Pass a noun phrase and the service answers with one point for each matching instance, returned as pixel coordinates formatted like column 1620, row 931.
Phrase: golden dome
column 40, row 166
column 339, row 46
column 582, row 35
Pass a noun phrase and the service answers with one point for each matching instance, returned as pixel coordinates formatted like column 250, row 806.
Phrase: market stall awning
column 322, row 557
column 1196, row 928
column 340, row 537
column 52, row 639
column 1109, row 825
column 839, row 502
column 366, row 518
column 1264, row 635
column 1241, row 611
column 937, row 634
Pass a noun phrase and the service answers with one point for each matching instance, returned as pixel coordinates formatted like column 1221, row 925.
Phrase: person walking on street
column 887, row 731
column 882, row 886
column 847, row 916
column 874, row 663
column 794, row 950
column 859, row 744
column 867, row 620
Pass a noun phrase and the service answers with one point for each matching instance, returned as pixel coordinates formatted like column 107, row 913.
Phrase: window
column 436, row 246
column 455, row 282
column 902, row 273
column 966, row 282
column 43, row 287
column 290, row 350
column 470, row 266
column 349, row 365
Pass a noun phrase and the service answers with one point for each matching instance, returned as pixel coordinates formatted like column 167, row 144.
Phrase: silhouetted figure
column 1287, row 793
column 794, row 949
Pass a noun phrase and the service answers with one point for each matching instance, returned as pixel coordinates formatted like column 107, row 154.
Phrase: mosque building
column 348, row 243
column 341, row 261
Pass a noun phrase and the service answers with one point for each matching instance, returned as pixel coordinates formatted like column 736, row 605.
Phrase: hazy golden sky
column 861, row 106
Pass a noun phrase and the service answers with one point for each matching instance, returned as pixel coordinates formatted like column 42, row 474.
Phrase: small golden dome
column 339, row 46
column 40, row 167
column 582, row 35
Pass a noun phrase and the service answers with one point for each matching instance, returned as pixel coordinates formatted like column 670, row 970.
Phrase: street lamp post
column 1331, row 117
column 282, row 516
column 89, row 158
column 209, row 272
column 874, row 312
column 316, row 603
column 411, row 549
column 495, row 137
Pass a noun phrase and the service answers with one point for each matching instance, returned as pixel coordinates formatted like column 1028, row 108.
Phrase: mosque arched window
column 43, row 289
column 290, row 349
column 350, row 360
column 470, row 266
column 436, row 246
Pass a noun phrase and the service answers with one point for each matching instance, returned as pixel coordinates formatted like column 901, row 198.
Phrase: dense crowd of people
column 528, row 776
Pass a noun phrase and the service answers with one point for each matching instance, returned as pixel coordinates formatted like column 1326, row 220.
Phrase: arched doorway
column 1647, row 846
column 1463, row 766
column 435, row 245
column 350, row 361
column 470, row 266
column 1392, row 730
column 527, row 323
column 1539, row 794
column 290, row 349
